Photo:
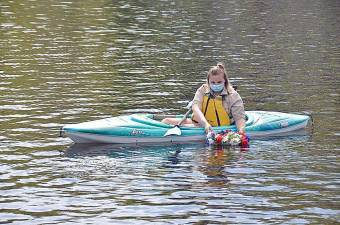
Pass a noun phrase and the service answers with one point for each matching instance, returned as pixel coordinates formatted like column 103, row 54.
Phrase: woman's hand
column 207, row 127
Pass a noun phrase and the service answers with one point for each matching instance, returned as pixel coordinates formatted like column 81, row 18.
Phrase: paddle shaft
column 176, row 130
column 184, row 117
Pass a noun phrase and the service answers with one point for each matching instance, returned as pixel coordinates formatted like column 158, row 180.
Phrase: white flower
column 232, row 139
column 235, row 141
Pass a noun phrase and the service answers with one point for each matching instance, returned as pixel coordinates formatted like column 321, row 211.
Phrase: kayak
column 147, row 128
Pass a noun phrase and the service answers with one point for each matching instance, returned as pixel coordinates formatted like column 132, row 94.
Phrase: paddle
column 176, row 130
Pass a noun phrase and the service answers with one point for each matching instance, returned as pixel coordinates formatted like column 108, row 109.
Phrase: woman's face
column 216, row 79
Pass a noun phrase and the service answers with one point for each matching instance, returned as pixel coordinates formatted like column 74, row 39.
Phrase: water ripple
column 69, row 62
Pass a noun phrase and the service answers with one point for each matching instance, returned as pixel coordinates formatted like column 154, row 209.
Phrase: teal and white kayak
column 143, row 128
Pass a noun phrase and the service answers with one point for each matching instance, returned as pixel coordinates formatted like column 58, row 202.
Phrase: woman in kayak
column 216, row 103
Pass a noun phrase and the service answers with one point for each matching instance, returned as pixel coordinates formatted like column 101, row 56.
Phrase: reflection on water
column 71, row 61
column 125, row 150
column 211, row 160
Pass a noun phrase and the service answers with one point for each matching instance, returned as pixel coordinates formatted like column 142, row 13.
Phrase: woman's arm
column 241, row 125
column 238, row 113
column 200, row 118
column 197, row 102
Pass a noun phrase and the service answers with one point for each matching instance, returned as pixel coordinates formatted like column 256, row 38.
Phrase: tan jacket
column 232, row 103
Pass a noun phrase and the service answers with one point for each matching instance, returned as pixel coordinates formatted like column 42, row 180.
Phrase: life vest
column 214, row 112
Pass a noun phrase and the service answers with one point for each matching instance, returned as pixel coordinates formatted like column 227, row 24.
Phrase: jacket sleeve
column 236, row 107
column 198, row 99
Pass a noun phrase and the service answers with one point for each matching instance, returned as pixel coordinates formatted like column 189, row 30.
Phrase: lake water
column 69, row 61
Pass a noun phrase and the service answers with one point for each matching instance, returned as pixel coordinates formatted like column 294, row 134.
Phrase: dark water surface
column 71, row 61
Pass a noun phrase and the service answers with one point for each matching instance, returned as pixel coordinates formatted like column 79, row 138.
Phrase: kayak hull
column 142, row 128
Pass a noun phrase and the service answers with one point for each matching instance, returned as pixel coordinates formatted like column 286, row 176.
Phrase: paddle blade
column 173, row 131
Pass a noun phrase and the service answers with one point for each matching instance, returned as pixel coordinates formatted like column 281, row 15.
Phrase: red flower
column 218, row 138
column 244, row 140
column 244, row 143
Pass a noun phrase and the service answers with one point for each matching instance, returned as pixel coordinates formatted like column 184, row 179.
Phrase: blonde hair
column 220, row 69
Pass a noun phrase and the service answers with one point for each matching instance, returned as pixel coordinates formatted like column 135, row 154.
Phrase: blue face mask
column 217, row 87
